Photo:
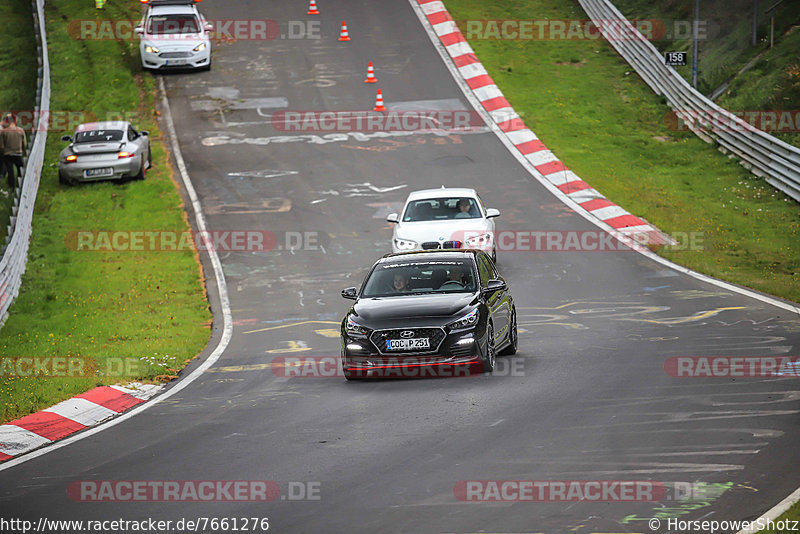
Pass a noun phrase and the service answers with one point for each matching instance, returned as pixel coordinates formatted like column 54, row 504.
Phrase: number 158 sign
column 675, row 58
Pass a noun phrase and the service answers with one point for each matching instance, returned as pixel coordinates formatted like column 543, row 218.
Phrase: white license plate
column 105, row 171
column 175, row 62
column 416, row 343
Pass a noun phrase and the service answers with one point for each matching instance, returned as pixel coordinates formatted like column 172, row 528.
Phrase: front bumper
column 458, row 354
column 177, row 59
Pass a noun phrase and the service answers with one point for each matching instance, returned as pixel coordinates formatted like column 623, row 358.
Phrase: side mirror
column 144, row 132
column 138, row 30
column 392, row 218
column 66, row 138
column 495, row 285
column 350, row 293
column 491, row 212
column 208, row 27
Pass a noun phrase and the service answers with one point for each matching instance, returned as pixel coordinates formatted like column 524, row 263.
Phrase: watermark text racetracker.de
column 193, row 491
column 733, row 366
column 164, row 526
column 186, row 240
column 584, row 29
column 722, row 120
column 399, row 367
column 547, row 491
column 578, row 240
column 372, row 121
column 62, row 120
column 69, row 366
column 223, row 30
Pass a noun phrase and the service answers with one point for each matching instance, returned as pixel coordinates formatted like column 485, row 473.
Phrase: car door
column 489, row 222
column 493, row 300
column 499, row 301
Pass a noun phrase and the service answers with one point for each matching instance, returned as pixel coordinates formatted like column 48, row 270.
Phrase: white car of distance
column 446, row 218
column 174, row 34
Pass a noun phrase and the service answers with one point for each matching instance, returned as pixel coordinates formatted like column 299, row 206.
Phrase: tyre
column 63, row 180
column 513, row 341
column 141, row 174
column 489, row 353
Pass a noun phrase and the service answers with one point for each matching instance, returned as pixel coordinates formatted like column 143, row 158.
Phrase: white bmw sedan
column 444, row 218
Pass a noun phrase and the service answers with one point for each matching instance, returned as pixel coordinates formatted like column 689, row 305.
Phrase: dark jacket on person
column 13, row 140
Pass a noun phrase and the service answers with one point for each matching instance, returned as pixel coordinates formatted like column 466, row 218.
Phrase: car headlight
column 200, row 47
column 150, row 49
column 353, row 327
column 470, row 319
column 404, row 244
column 480, row 240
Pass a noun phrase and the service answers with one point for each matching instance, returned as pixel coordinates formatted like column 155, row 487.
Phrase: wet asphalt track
column 588, row 399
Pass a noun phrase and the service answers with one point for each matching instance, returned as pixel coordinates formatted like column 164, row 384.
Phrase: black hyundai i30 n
column 425, row 313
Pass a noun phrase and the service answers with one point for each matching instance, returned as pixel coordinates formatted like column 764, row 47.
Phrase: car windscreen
column 434, row 209
column 413, row 276
column 172, row 24
column 99, row 136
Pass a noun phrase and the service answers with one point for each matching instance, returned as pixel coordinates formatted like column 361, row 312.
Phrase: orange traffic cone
column 312, row 8
column 343, row 35
column 370, row 74
column 379, row 102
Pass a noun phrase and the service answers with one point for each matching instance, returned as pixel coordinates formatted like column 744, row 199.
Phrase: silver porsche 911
column 111, row 150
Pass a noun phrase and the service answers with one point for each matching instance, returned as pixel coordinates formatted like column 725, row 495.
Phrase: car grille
column 379, row 338
column 174, row 55
column 430, row 245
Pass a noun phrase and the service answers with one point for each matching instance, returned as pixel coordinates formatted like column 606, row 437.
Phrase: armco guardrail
column 15, row 253
column 764, row 155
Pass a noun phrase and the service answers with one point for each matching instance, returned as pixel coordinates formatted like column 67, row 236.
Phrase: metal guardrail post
column 15, row 252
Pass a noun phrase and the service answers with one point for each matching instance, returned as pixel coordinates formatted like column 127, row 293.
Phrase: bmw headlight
column 470, row 319
column 200, row 47
column 150, row 49
column 354, row 328
column 480, row 240
column 404, row 244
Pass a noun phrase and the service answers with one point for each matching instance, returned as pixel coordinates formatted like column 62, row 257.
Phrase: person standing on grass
column 14, row 142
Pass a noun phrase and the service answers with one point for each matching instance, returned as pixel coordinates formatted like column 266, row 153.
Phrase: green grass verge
column 772, row 83
column 792, row 514
column 18, row 81
column 124, row 315
column 590, row 108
